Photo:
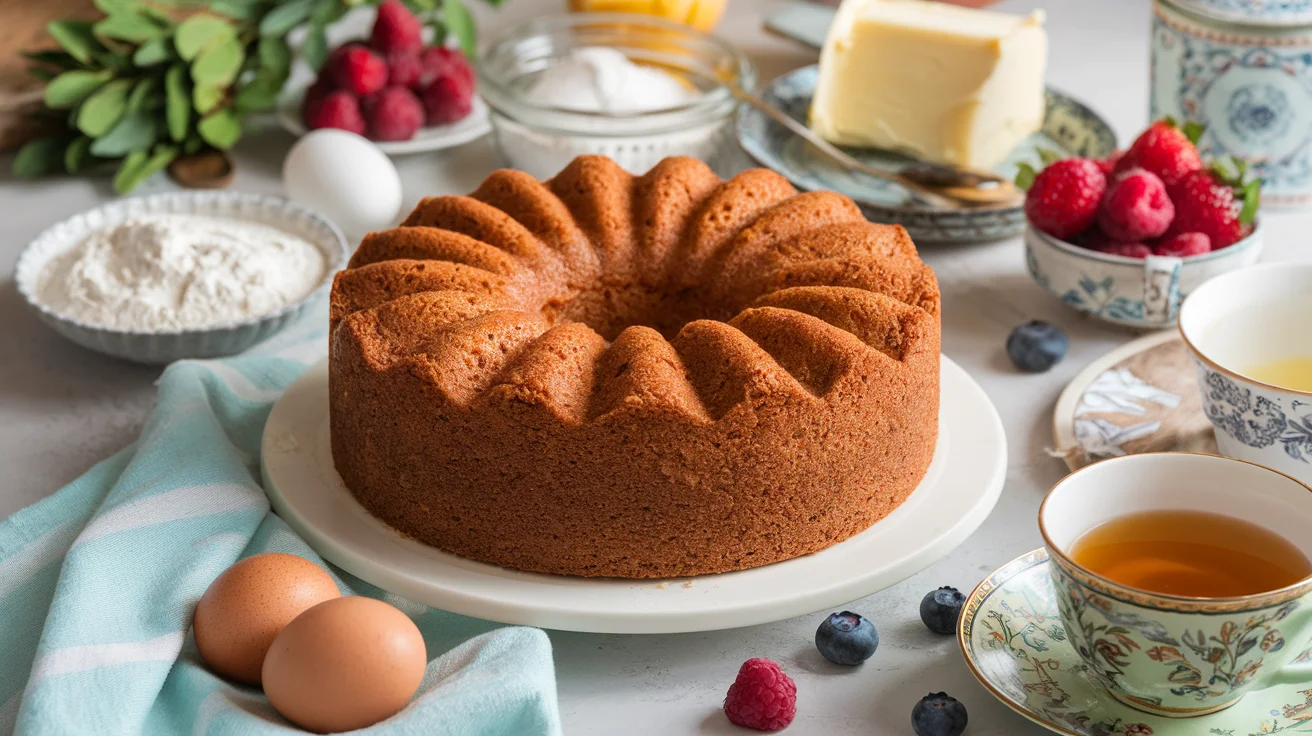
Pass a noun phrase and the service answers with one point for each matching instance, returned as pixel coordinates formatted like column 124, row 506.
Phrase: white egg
column 345, row 178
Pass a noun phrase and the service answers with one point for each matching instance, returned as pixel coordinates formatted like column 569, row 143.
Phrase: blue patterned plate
column 1069, row 128
column 1014, row 643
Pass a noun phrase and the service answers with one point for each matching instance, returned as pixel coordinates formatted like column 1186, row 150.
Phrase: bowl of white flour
column 180, row 275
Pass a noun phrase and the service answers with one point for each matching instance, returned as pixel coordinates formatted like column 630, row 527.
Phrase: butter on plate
column 935, row 81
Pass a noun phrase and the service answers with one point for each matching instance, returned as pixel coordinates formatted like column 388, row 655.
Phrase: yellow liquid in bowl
column 1292, row 373
column 700, row 14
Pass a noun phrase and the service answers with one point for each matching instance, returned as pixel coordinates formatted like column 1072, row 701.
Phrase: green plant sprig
column 151, row 81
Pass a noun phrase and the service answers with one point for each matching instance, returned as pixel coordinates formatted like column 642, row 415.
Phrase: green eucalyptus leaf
column 135, row 132
column 239, row 9
column 460, row 23
column 71, row 87
column 314, row 49
column 439, row 32
column 177, row 101
column 45, row 75
column 327, row 12
column 126, row 179
column 77, row 154
column 103, row 109
column 196, row 33
column 193, row 144
column 285, row 17
column 157, row 15
column 218, row 65
column 220, row 129
column 257, row 96
column 130, row 27
column 76, row 38
column 61, row 59
column 274, row 53
column 39, row 157
column 155, row 51
column 155, row 163
column 141, row 93
column 110, row 7
column 206, row 97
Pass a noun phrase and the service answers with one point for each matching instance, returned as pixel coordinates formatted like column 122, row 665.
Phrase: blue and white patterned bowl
column 1247, row 84
column 1253, row 12
column 1239, row 321
column 1069, row 128
column 167, row 346
column 1144, row 293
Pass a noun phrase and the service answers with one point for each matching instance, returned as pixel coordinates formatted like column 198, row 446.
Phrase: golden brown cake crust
column 655, row 376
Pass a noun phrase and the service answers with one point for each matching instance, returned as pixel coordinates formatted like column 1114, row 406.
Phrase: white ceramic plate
column 473, row 126
column 957, row 494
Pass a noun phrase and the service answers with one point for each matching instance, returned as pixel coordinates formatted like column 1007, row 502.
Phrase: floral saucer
column 1013, row 640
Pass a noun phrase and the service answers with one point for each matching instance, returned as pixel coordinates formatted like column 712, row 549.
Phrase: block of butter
column 935, row 81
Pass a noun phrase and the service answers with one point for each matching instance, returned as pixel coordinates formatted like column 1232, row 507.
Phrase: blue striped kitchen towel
column 98, row 582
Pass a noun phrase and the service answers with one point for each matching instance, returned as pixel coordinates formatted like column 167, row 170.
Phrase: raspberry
column 395, row 115
column 1135, row 207
column 440, row 61
column 1183, row 245
column 1164, row 150
column 1205, row 203
column 447, row 100
column 404, row 69
column 396, row 29
column 358, row 69
column 339, row 109
column 1097, row 240
column 1063, row 200
column 762, row 697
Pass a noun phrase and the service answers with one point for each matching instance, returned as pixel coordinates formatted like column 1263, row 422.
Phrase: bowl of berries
column 1127, row 238
column 393, row 88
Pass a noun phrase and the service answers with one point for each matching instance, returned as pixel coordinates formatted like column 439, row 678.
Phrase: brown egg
column 248, row 604
column 344, row 664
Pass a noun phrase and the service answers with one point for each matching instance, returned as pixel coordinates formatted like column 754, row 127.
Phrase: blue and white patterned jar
column 1250, row 84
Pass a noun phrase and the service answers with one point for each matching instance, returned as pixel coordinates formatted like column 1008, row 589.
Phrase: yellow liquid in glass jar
column 1293, row 373
column 700, row 14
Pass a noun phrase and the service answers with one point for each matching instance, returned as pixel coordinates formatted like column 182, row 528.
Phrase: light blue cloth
column 98, row 582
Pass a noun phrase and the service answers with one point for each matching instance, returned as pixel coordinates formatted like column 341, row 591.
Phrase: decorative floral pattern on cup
column 1256, row 420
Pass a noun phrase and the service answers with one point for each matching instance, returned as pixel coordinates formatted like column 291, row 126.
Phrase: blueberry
column 941, row 608
column 1037, row 346
column 847, row 638
column 938, row 714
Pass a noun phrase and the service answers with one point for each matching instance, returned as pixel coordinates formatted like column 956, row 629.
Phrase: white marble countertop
column 62, row 409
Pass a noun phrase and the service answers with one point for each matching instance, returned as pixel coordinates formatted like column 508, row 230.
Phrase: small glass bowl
column 542, row 140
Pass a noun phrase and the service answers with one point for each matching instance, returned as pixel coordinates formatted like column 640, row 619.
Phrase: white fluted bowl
column 166, row 346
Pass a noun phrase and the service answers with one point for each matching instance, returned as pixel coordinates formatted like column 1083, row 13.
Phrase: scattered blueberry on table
column 847, row 638
column 941, row 608
column 1036, row 346
column 938, row 714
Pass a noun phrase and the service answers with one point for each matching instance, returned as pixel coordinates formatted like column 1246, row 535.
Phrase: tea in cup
column 1250, row 336
column 1184, row 581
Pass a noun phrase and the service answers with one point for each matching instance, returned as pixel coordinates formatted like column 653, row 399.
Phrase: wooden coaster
column 1141, row 397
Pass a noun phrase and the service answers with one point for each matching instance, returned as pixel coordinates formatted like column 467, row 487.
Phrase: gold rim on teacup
column 1213, row 364
column 1166, row 601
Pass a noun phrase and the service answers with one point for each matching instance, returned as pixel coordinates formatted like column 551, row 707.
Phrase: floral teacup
column 1240, row 320
column 1170, row 655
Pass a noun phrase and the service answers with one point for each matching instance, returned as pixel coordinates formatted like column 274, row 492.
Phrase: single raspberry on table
column 1183, row 245
column 1063, row 199
column 1165, row 150
column 1135, row 207
column 357, row 69
column 404, row 69
column 1216, row 205
column 441, row 61
column 396, row 29
column 447, row 100
column 394, row 114
column 339, row 109
column 762, row 697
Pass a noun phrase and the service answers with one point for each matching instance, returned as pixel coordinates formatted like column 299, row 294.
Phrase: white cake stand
column 960, row 489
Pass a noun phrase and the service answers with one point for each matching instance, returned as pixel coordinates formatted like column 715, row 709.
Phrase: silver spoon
column 937, row 185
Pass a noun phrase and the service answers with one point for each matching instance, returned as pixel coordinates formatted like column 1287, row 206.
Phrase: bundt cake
column 639, row 377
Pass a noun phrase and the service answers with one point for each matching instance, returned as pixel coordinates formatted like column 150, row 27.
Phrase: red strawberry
column 314, row 97
column 1108, row 165
column 357, row 69
column 441, row 61
column 404, row 69
column 1165, row 150
column 396, row 29
column 338, row 109
column 1208, row 202
column 1063, row 199
column 447, row 100
column 395, row 115
column 1135, row 207
column 1183, row 245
